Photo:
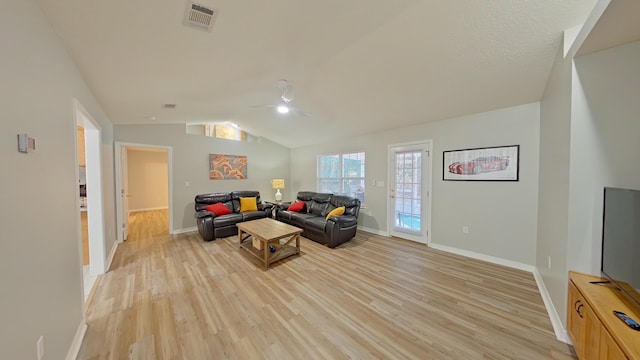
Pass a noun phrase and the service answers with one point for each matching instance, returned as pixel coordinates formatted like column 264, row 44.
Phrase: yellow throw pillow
column 336, row 212
column 248, row 204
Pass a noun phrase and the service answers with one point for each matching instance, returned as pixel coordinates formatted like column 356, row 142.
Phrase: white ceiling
column 358, row 66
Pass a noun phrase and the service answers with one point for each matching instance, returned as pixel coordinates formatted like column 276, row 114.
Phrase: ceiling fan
column 283, row 106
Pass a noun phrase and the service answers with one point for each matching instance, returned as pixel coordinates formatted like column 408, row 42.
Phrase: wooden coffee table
column 269, row 232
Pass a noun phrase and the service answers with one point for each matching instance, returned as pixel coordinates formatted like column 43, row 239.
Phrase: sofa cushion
column 236, row 195
column 335, row 212
column 318, row 204
column 218, row 209
column 297, row 206
column 226, row 220
column 248, row 204
column 208, row 199
column 352, row 205
column 253, row 215
column 298, row 219
column 315, row 224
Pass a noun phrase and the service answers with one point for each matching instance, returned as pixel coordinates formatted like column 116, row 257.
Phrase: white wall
column 607, row 84
column 40, row 257
column 553, row 187
column 501, row 215
column 266, row 161
column 148, row 179
column 588, row 140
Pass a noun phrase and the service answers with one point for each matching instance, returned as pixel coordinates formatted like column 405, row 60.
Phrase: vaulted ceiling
column 357, row 66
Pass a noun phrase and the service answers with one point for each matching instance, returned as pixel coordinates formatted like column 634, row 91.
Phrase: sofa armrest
column 281, row 206
column 265, row 206
column 340, row 229
column 344, row 220
column 204, row 213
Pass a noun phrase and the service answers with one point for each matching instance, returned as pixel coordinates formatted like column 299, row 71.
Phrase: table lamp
column 278, row 184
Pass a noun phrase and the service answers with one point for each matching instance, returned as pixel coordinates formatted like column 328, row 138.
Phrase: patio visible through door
column 408, row 192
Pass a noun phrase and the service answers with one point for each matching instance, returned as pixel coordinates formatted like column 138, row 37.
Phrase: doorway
column 90, row 199
column 143, row 183
column 409, row 212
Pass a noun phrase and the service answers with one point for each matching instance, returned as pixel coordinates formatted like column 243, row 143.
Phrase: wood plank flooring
column 177, row 297
column 84, row 227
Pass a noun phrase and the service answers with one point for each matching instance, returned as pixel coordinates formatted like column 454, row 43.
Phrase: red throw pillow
column 297, row 206
column 218, row 209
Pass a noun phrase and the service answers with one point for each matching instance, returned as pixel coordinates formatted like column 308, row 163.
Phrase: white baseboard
column 373, row 231
column 558, row 328
column 483, row 257
column 72, row 354
column 148, row 209
column 556, row 322
column 185, row 230
column 112, row 253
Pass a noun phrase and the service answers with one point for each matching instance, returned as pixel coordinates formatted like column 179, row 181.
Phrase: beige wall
column 501, row 215
column 40, row 256
column 148, row 179
column 190, row 163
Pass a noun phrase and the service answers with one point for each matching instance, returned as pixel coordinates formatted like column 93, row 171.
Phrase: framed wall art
column 497, row 163
column 224, row 167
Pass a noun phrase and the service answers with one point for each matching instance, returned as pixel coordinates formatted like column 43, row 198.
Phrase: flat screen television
column 621, row 240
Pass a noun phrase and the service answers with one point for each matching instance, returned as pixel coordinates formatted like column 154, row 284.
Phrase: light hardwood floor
column 85, row 237
column 177, row 297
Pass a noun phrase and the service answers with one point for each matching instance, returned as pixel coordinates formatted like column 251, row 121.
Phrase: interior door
column 124, row 193
column 408, row 192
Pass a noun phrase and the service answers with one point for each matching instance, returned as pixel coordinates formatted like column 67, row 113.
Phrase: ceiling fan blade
column 287, row 93
column 300, row 112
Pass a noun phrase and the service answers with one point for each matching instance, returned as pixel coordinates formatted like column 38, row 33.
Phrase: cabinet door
column 592, row 331
column 609, row 349
column 584, row 326
column 576, row 321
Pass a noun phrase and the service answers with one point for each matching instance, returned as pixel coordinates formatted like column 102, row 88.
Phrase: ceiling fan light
column 282, row 109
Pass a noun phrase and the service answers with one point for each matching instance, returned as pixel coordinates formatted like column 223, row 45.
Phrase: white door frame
column 95, row 197
column 427, row 176
column 118, row 148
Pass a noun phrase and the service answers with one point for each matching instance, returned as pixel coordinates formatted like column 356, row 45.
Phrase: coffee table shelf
column 269, row 232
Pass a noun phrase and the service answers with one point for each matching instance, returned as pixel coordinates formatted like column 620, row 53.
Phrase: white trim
column 112, row 253
column 580, row 36
column 556, row 322
column 72, row 354
column 487, row 258
column 118, row 146
column 373, row 231
column 95, row 193
column 149, row 209
column 185, row 230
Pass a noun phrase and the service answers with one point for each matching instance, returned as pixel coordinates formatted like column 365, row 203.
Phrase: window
column 342, row 174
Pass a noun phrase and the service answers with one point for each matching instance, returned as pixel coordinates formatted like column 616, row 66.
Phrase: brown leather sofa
column 211, row 226
column 312, row 219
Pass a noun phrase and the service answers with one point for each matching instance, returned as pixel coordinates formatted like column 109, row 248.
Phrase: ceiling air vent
column 199, row 16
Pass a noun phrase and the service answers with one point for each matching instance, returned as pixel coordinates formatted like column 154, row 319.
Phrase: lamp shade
column 277, row 183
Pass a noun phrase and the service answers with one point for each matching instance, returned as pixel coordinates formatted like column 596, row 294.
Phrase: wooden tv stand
column 595, row 331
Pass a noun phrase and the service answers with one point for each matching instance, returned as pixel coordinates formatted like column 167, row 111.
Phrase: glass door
column 407, row 192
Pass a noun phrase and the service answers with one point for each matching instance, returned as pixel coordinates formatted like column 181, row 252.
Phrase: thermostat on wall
column 25, row 143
